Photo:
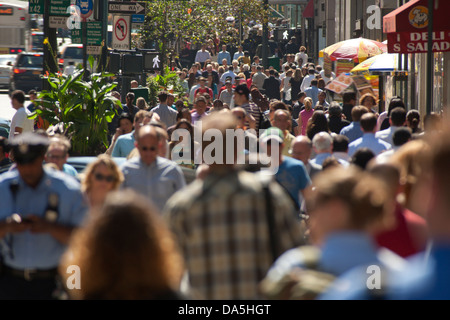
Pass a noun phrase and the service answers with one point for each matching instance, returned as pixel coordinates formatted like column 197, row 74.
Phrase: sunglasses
column 153, row 149
column 100, row 177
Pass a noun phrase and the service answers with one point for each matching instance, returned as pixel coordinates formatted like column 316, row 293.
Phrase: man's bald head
column 282, row 119
column 301, row 149
column 147, row 142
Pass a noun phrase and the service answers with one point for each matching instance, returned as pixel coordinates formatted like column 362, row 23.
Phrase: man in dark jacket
column 272, row 86
column 335, row 121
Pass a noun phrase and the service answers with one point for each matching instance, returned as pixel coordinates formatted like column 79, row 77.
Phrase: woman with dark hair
column 184, row 113
column 383, row 119
column 295, row 82
column 413, row 121
column 124, row 252
column 317, row 123
column 182, row 151
column 362, row 157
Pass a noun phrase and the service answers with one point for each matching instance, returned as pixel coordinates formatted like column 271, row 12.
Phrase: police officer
column 38, row 212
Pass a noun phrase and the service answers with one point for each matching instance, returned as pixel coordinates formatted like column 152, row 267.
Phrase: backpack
column 305, row 283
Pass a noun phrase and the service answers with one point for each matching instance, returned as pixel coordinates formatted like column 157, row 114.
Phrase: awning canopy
column 309, row 10
column 407, row 27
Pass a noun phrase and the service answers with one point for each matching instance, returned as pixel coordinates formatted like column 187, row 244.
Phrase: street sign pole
column 50, row 35
column 84, row 40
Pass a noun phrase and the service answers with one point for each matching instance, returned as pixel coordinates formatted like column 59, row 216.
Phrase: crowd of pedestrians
column 193, row 213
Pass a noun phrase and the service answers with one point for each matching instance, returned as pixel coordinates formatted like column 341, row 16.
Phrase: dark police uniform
column 30, row 260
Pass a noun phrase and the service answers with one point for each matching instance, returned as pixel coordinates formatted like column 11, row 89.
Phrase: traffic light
column 132, row 64
column 114, row 64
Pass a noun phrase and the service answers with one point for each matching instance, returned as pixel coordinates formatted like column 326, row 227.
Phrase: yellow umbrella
column 386, row 62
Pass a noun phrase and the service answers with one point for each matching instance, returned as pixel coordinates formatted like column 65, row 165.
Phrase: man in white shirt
column 20, row 122
column 307, row 80
column 202, row 55
column 238, row 53
column 301, row 57
column 397, row 120
column 227, row 74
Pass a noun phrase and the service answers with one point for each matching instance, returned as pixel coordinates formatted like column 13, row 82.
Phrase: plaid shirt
column 221, row 227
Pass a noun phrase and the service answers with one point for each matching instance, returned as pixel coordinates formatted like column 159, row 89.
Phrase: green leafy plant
column 169, row 82
column 80, row 109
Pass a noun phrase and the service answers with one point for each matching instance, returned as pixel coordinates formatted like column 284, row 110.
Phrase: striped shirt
column 255, row 111
column 221, row 227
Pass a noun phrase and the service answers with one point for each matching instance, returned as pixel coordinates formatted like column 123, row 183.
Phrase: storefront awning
column 407, row 27
column 309, row 10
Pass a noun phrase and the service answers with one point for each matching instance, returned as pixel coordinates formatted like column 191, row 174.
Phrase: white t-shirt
column 326, row 79
column 20, row 119
column 303, row 56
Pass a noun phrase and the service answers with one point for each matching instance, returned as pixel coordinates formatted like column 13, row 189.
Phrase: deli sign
column 417, row 42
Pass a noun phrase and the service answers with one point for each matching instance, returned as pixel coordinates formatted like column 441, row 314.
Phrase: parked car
column 26, row 72
column 6, row 63
column 5, row 125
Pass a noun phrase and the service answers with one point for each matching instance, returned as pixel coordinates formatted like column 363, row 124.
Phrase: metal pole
column 265, row 36
column 430, row 58
column 84, row 40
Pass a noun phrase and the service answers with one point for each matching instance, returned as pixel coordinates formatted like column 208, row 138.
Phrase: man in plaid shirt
column 222, row 229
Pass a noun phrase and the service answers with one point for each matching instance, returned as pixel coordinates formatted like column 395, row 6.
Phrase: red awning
column 407, row 27
column 309, row 10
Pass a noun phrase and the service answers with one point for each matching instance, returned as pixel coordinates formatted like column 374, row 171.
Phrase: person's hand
column 15, row 224
column 118, row 133
column 38, row 224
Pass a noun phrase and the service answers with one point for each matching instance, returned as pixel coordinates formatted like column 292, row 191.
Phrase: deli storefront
column 407, row 34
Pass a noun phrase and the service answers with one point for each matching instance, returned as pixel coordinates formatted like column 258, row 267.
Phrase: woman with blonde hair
column 124, row 252
column 99, row 179
column 141, row 103
column 305, row 115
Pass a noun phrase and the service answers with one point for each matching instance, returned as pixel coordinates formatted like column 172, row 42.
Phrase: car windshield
column 31, row 61
column 37, row 40
column 4, row 59
column 73, row 53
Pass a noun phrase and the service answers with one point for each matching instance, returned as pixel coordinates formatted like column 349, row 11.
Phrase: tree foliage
column 199, row 21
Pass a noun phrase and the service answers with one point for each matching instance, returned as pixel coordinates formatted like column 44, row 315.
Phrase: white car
column 6, row 63
column 70, row 52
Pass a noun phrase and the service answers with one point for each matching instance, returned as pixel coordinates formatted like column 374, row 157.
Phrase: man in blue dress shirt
column 224, row 54
column 354, row 131
column 150, row 175
column 38, row 213
column 368, row 140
